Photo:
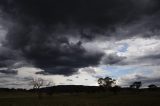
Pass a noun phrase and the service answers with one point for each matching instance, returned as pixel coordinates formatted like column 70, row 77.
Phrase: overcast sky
column 78, row 41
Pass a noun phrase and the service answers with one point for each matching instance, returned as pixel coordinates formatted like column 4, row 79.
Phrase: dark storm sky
column 53, row 35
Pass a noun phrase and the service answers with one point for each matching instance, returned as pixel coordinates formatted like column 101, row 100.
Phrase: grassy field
column 146, row 98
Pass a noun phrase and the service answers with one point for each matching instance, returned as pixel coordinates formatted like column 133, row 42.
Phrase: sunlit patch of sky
column 123, row 47
column 120, row 71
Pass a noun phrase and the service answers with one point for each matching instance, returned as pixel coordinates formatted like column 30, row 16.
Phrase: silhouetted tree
column 131, row 86
column 38, row 83
column 152, row 87
column 136, row 85
column 106, row 82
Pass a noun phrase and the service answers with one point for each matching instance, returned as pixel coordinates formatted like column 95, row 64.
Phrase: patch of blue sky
column 119, row 71
column 123, row 48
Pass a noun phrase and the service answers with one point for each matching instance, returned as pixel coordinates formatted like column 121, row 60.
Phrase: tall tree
column 136, row 85
column 106, row 82
column 38, row 83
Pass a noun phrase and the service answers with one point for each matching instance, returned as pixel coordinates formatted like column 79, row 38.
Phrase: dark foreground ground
column 125, row 98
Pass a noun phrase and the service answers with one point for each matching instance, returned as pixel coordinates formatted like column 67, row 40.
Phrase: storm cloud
column 7, row 71
column 112, row 59
column 49, row 34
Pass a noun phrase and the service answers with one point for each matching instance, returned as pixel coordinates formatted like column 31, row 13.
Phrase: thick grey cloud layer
column 39, row 31
column 14, row 72
column 112, row 59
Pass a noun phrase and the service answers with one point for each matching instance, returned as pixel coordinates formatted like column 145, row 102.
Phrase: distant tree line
column 108, row 83
column 41, row 86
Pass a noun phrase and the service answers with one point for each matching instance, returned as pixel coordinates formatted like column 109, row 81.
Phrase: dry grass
column 81, row 99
